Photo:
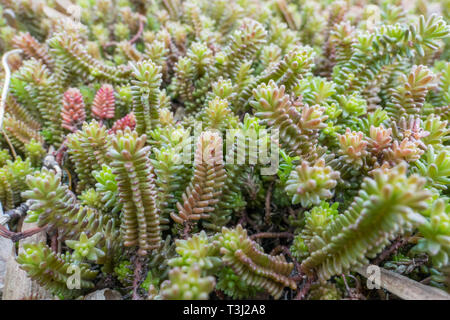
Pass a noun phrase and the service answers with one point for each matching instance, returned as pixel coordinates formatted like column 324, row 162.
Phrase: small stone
column 5, row 253
column 104, row 294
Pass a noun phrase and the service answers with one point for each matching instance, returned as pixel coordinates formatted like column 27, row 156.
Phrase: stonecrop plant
column 241, row 149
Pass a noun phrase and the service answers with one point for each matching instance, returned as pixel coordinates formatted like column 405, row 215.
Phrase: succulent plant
column 85, row 247
column 121, row 121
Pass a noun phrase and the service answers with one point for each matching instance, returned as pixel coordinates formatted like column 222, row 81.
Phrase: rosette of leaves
column 85, row 248
column 193, row 76
column 19, row 112
column 145, row 90
column 34, row 150
column 295, row 65
column 409, row 96
column 436, row 233
column 32, row 48
column 298, row 249
column 91, row 198
column 286, row 166
column 73, row 111
column 172, row 175
column 317, row 220
column 135, row 180
column 298, row 127
column 438, row 129
column 187, row 285
column 4, row 157
column 52, row 270
column 55, row 206
column 244, row 143
column 218, row 116
column 411, row 129
column 353, row 106
column 12, row 181
column 72, row 58
column 20, row 133
column 234, row 286
column 407, row 150
column 363, row 97
column 207, row 182
column 352, row 154
column 385, row 207
column 435, row 166
column 309, row 184
column 33, row 84
column 159, row 259
column 103, row 106
column 198, row 249
column 244, row 43
column 128, row 120
column 376, row 118
column 379, row 140
column 388, row 44
column 316, row 90
column 223, row 89
column 106, row 186
column 248, row 260
column 87, row 149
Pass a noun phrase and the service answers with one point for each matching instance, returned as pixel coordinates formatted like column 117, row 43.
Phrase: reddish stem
column 16, row 236
column 54, row 242
column 59, row 154
column 271, row 235
column 139, row 33
column 137, row 278
column 400, row 242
